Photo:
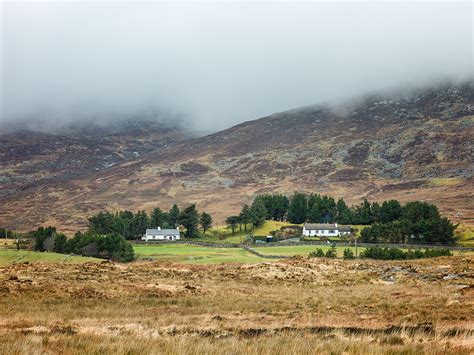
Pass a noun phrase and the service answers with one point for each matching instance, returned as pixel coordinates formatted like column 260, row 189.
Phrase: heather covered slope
column 415, row 145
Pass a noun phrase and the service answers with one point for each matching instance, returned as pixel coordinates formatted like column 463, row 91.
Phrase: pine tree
column 156, row 218
column 258, row 213
column 245, row 216
column 297, row 209
column 173, row 216
column 232, row 222
column 189, row 218
column 205, row 220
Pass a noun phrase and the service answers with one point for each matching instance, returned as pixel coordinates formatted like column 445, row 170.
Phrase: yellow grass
column 21, row 256
column 466, row 235
column 445, row 181
column 298, row 306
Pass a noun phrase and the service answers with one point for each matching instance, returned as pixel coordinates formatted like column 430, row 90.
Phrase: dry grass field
column 298, row 306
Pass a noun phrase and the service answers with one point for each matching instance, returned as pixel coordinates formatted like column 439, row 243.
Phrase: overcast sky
column 219, row 64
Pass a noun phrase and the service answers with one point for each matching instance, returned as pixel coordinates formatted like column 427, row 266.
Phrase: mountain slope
column 411, row 146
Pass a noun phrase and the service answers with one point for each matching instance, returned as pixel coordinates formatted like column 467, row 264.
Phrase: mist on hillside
column 214, row 65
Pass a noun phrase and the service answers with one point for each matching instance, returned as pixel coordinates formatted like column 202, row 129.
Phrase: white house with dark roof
column 325, row 230
column 161, row 234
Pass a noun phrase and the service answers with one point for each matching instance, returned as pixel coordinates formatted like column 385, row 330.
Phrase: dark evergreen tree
column 173, row 216
column 232, row 222
column 139, row 224
column 343, row 212
column 363, row 213
column 245, row 216
column 40, row 236
column 258, row 213
column 205, row 220
column 297, row 209
column 101, row 223
column 390, row 211
column 189, row 218
column 417, row 210
column 156, row 218
column 60, row 241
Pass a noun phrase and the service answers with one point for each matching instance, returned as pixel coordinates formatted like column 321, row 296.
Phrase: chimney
column 335, row 224
column 159, row 228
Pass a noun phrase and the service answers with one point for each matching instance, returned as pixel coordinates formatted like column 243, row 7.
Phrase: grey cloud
column 218, row 64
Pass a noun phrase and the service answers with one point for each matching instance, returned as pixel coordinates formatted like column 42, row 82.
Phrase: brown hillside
column 412, row 146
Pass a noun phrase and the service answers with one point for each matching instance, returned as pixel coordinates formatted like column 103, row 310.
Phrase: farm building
column 325, row 230
column 161, row 234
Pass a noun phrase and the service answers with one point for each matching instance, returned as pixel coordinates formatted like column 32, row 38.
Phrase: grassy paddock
column 222, row 234
column 191, row 254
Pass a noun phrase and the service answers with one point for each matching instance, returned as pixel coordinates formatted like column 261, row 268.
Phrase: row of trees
column 390, row 221
column 418, row 223
column 109, row 246
column 133, row 225
column 253, row 216
column 108, row 232
column 315, row 208
column 399, row 254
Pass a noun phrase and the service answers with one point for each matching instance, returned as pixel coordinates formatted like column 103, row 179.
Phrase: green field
column 11, row 256
column 195, row 254
column 180, row 253
column 191, row 254
column 466, row 235
column 222, row 234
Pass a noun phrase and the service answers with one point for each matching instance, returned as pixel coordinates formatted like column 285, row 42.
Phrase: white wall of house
column 323, row 233
column 160, row 236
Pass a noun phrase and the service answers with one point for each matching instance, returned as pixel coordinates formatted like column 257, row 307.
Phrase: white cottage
column 161, row 234
column 325, row 230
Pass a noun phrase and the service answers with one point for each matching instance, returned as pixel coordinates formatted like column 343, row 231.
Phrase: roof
column 162, row 232
column 327, row 226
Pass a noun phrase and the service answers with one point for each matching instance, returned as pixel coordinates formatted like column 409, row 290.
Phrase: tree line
column 107, row 233
column 133, row 225
column 416, row 223
column 389, row 221
column 106, row 246
column 315, row 208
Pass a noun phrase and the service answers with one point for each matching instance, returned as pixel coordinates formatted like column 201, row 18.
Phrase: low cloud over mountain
column 215, row 65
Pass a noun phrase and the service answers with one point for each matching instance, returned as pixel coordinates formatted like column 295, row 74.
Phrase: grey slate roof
column 327, row 226
column 162, row 232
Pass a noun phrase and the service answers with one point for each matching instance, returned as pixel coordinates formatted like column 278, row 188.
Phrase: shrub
column 348, row 254
column 331, row 253
column 318, row 253
column 40, row 236
column 60, row 241
column 398, row 254
column 110, row 246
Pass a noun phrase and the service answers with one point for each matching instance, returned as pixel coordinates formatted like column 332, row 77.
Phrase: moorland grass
column 11, row 256
column 224, row 309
